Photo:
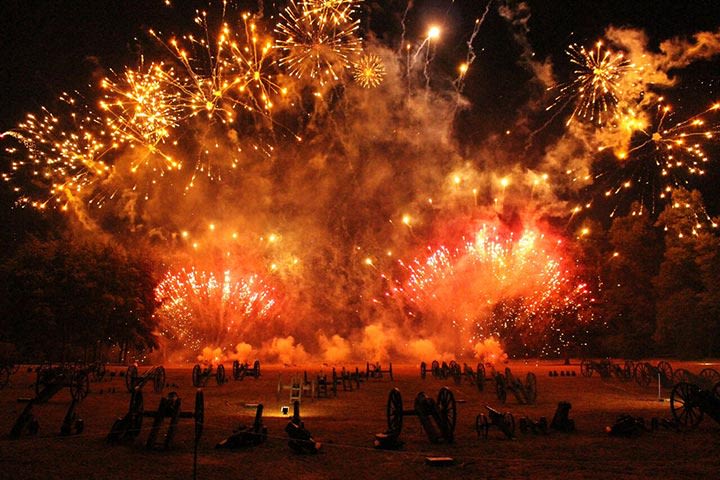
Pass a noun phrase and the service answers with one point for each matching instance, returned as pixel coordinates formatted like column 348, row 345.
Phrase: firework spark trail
column 459, row 82
column 315, row 46
column 369, row 71
column 199, row 309
column 141, row 111
column 63, row 152
column 595, row 88
column 489, row 272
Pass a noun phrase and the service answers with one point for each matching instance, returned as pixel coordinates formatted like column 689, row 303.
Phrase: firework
column 199, row 309
column 469, row 287
column 661, row 154
column 369, row 71
column 595, row 89
column 141, row 110
column 337, row 12
column 62, row 156
column 314, row 47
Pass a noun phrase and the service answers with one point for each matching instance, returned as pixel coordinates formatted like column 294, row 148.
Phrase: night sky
column 53, row 46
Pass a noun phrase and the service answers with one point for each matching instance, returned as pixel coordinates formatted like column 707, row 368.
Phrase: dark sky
column 53, row 45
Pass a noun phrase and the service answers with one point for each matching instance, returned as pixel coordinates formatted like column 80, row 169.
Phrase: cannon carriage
column 689, row 403
column 128, row 427
column 155, row 375
column 242, row 370
column 606, row 369
column 645, row 373
column 374, row 370
column 201, row 376
column 707, row 378
column 525, row 393
column 437, row 417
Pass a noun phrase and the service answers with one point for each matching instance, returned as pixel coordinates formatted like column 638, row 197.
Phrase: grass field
column 346, row 426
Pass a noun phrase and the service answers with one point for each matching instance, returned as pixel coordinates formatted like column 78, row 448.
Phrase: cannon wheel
column 586, row 368
column 159, row 379
column 500, row 388
column 220, row 374
column 681, row 375
column 199, row 414
column 236, row 370
column 643, row 377
column 391, row 373
column 531, row 388
column 480, row 376
column 448, row 413
column 435, row 368
column 683, row 404
column 196, row 371
column 710, row 375
column 131, row 377
column 395, row 412
column 423, row 370
column 666, row 372
column 482, row 425
column 80, row 385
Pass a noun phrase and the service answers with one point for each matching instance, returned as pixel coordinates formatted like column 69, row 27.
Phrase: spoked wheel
column 681, row 375
column 236, row 369
column 423, row 370
column 531, row 388
column 435, row 369
column 80, row 385
column 586, row 368
column 710, row 376
column 684, row 404
column 131, row 378
column 196, row 375
column 643, row 376
column 256, row 369
column 159, row 379
column 666, row 373
column 220, row 375
column 448, row 413
column 500, row 388
column 394, row 411
column 480, row 376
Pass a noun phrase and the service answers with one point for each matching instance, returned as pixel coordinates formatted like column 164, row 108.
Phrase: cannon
column 128, row 427
column 475, row 377
column 298, row 387
column 706, row 379
column 201, row 376
column 645, row 373
column 49, row 381
column 525, row 393
column 374, row 370
column 300, row 440
column 505, row 422
column 245, row 436
column 242, row 370
column 606, row 369
column 689, row 403
column 156, row 375
column 437, row 418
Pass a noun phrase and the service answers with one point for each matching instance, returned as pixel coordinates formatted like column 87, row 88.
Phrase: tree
column 687, row 282
column 63, row 296
column 628, row 298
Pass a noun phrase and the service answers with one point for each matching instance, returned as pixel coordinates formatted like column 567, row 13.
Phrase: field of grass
column 346, row 426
